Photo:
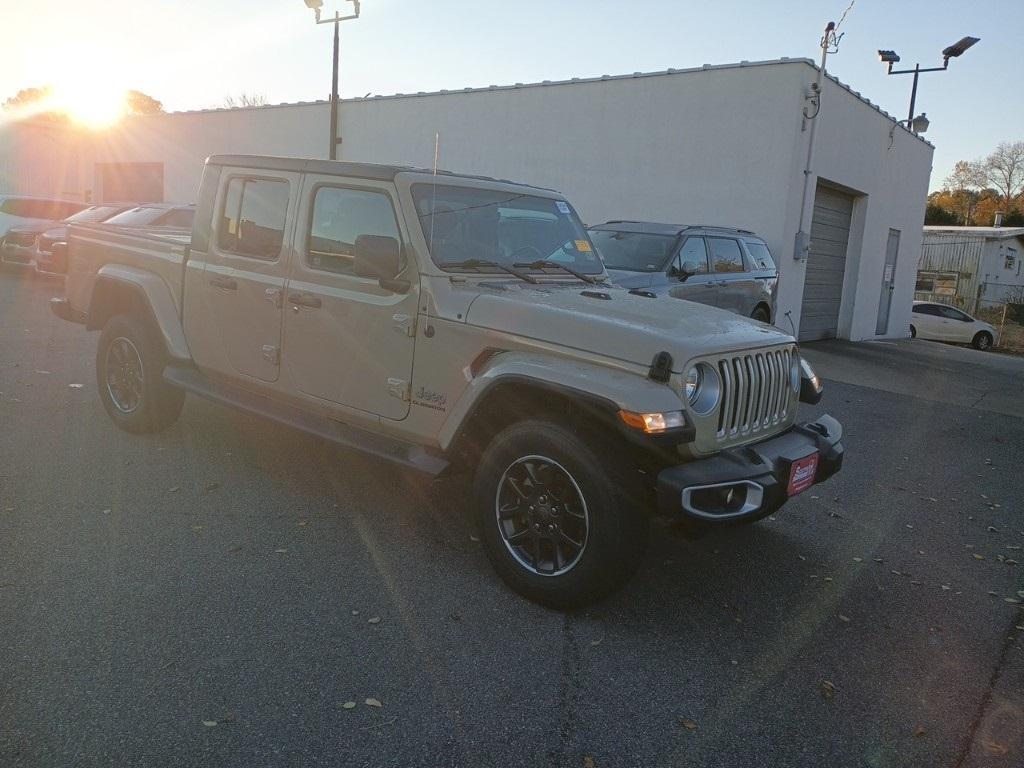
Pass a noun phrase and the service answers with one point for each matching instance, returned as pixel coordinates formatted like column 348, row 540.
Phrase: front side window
column 252, row 223
column 632, row 251
column 464, row 223
column 725, row 255
column 693, row 257
column 926, row 309
column 339, row 217
column 761, row 255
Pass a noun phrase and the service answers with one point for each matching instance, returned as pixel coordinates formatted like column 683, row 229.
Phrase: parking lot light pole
column 889, row 57
column 315, row 6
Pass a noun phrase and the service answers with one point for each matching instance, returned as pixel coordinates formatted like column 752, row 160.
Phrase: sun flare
column 88, row 104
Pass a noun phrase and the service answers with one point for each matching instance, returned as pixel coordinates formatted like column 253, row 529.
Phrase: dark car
column 21, row 244
column 50, row 254
column 720, row 266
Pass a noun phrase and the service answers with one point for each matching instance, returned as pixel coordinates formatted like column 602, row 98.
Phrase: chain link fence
column 1003, row 307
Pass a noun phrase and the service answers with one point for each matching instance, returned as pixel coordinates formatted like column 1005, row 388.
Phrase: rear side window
column 339, row 217
column 725, row 255
column 761, row 255
column 252, row 223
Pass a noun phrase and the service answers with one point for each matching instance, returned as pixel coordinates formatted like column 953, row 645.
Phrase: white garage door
column 826, row 264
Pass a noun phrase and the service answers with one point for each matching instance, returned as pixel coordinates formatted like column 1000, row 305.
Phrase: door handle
column 305, row 300
column 224, row 283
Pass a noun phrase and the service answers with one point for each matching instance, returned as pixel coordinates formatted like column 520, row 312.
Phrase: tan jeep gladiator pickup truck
column 447, row 322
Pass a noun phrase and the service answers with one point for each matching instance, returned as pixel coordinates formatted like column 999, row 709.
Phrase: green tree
column 937, row 215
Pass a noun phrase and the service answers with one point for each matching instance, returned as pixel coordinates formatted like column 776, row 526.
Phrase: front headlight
column 810, row 385
column 702, row 388
column 694, row 378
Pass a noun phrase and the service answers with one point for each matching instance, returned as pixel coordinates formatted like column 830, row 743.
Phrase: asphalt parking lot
column 217, row 593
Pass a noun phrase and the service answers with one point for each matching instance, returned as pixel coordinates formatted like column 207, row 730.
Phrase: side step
column 405, row 454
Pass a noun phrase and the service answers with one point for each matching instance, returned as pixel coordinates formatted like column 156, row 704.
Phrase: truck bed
column 92, row 246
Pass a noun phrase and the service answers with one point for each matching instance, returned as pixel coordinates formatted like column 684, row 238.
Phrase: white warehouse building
column 717, row 145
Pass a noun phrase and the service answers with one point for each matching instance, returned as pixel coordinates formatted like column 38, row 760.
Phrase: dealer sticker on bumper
column 801, row 474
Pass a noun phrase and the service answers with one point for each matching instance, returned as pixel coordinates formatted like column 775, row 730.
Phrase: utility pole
column 334, row 140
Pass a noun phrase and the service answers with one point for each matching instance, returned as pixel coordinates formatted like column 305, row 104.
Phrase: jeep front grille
column 755, row 391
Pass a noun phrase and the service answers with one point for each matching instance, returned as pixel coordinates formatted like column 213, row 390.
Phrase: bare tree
column 963, row 186
column 1004, row 170
column 244, row 99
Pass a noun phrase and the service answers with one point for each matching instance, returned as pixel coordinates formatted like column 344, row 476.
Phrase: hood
column 612, row 322
column 33, row 228
column 629, row 279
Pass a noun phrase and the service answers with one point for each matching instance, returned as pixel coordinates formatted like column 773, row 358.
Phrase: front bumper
column 746, row 483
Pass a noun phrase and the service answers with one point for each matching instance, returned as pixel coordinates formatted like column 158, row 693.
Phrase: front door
column 246, row 269
column 690, row 275
column 735, row 284
column 347, row 340
column 892, row 249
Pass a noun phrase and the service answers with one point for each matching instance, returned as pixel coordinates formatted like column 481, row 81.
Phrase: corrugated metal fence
column 947, row 270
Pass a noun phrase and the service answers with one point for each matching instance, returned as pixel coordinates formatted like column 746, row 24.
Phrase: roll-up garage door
column 826, row 264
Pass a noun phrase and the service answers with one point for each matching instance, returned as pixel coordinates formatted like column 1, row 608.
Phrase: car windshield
column 94, row 213
column 633, row 251
column 463, row 224
column 137, row 217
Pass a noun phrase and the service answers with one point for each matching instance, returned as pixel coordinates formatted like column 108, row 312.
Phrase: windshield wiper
column 478, row 263
column 541, row 263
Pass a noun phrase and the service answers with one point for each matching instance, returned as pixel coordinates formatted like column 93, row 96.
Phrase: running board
column 405, row 454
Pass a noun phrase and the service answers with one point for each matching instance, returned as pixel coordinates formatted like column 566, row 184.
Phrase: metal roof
column 992, row 233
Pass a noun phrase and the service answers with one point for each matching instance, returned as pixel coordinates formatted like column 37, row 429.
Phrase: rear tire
column 982, row 340
column 556, row 525
column 130, row 360
column 761, row 315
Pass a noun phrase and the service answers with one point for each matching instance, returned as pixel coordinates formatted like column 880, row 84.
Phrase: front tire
column 913, row 332
column 982, row 340
column 556, row 525
column 129, row 376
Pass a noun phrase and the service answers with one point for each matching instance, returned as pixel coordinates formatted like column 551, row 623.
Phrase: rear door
column 691, row 263
column 246, row 269
column 347, row 340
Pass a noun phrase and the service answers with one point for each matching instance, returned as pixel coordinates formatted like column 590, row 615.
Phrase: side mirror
column 380, row 257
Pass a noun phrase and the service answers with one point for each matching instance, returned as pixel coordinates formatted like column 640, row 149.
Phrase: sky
column 190, row 55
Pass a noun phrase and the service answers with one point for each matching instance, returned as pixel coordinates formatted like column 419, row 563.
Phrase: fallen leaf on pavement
column 995, row 748
column 374, row 620
column 828, row 690
column 858, row 560
column 209, row 723
column 349, row 705
column 588, row 762
column 919, row 731
column 844, row 619
column 687, row 723
column 597, row 642
column 280, row 551
column 76, row 386
column 976, row 556
column 373, row 703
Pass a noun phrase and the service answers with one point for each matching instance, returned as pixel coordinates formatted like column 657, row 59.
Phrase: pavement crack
column 568, row 693
column 1008, row 640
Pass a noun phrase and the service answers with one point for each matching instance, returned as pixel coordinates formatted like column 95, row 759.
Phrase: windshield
column 94, row 213
column 633, row 251
column 137, row 217
column 508, row 228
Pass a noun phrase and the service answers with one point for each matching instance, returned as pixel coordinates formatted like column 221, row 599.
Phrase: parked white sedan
column 941, row 322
